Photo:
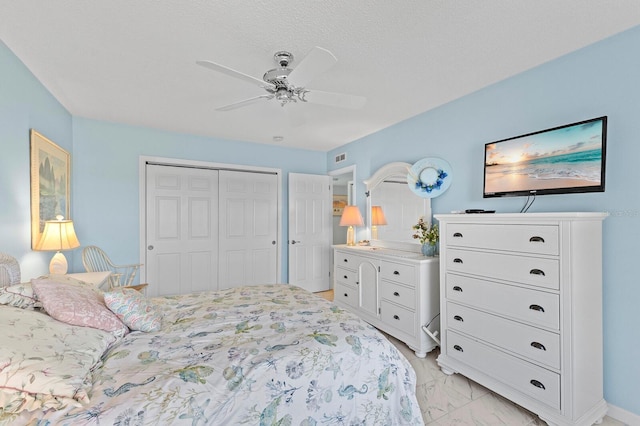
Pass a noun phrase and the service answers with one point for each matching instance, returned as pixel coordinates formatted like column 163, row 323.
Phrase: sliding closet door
column 248, row 228
column 181, row 229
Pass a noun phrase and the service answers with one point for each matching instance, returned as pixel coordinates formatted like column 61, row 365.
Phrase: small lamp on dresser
column 351, row 217
column 377, row 219
column 58, row 235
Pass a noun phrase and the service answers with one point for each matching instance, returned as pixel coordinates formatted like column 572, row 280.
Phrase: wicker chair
column 95, row 259
column 9, row 270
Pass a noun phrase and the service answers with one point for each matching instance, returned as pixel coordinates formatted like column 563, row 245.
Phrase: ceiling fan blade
column 315, row 63
column 243, row 103
column 233, row 73
column 340, row 100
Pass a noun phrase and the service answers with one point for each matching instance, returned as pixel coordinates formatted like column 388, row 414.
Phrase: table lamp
column 58, row 235
column 351, row 217
column 377, row 219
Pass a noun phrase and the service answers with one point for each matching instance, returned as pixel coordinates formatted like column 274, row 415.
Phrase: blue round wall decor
column 429, row 177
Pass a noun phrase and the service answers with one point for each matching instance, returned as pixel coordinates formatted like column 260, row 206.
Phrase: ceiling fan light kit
column 287, row 85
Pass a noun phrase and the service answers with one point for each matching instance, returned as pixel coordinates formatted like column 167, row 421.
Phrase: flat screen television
column 560, row 160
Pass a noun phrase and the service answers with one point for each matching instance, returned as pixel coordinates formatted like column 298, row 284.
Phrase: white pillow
column 18, row 295
column 45, row 362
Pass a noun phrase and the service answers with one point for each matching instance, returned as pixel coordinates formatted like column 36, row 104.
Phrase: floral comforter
column 267, row 355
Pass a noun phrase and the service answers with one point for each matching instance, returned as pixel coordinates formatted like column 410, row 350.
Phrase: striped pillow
column 134, row 310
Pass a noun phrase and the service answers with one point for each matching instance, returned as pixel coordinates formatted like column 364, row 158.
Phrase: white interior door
column 310, row 231
column 248, row 228
column 181, row 230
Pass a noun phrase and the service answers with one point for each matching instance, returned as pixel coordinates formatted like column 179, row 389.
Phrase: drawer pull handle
column 345, row 277
column 457, row 260
column 396, row 317
column 538, row 346
column 537, row 272
column 395, row 293
column 457, row 288
column 457, row 235
column 357, row 282
column 537, row 384
column 345, row 260
column 459, row 318
column 536, row 239
column 458, row 348
column 536, row 308
column 396, row 273
column 346, row 295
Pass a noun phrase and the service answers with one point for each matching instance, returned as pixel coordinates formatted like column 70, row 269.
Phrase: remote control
column 479, row 211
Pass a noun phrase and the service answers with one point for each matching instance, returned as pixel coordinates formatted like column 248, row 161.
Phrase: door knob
column 293, row 242
column 150, row 247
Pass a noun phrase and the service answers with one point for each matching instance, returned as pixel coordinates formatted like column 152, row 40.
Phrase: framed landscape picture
column 50, row 183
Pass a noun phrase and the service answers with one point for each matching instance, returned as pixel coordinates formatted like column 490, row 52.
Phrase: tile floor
column 455, row 400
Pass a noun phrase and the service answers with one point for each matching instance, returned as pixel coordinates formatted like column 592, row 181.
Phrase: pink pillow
column 76, row 304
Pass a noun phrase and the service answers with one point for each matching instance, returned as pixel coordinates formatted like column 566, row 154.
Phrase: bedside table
column 95, row 278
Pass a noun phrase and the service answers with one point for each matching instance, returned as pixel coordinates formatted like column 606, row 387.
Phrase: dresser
column 396, row 291
column 522, row 309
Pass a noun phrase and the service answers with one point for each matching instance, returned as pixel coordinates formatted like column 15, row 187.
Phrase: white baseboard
column 624, row 416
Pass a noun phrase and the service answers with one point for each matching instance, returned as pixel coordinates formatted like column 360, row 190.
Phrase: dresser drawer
column 398, row 272
column 398, row 294
column 400, row 318
column 536, row 239
column 346, row 276
column 537, row 382
column 345, row 294
column 349, row 260
column 542, row 347
column 525, row 305
column 346, row 260
column 522, row 269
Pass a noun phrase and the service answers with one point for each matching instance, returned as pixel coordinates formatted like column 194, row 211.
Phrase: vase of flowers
column 427, row 235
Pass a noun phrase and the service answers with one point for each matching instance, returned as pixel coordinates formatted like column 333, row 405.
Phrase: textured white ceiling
column 134, row 61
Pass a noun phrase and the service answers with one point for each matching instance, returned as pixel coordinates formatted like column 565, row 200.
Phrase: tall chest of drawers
column 395, row 291
column 521, row 305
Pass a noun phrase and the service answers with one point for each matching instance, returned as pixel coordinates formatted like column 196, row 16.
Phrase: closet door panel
column 248, row 228
column 181, row 229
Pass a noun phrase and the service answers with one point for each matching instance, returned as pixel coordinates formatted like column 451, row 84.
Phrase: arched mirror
column 387, row 189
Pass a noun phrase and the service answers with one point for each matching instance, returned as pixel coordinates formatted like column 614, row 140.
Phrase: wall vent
column 341, row 157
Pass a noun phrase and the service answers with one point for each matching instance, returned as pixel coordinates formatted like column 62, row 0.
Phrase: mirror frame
column 398, row 170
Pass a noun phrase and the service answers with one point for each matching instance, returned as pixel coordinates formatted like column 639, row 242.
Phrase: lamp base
column 58, row 264
column 374, row 232
column 351, row 238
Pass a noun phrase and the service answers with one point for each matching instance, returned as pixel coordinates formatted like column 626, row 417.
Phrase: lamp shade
column 58, row 235
column 377, row 216
column 351, row 217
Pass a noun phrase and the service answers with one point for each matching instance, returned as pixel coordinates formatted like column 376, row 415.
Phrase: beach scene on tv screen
column 562, row 158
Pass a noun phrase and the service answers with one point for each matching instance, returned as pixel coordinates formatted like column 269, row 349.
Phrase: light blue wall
column 599, row 80
column 106, row 180
column 24, row 104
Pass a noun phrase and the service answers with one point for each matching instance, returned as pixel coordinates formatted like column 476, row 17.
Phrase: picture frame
column 50, row 183
column 339, row 203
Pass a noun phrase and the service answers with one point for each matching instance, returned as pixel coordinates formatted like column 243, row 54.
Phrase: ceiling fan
column 288, row 85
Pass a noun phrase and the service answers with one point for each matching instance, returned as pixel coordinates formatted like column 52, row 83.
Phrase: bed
column 265, row 354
